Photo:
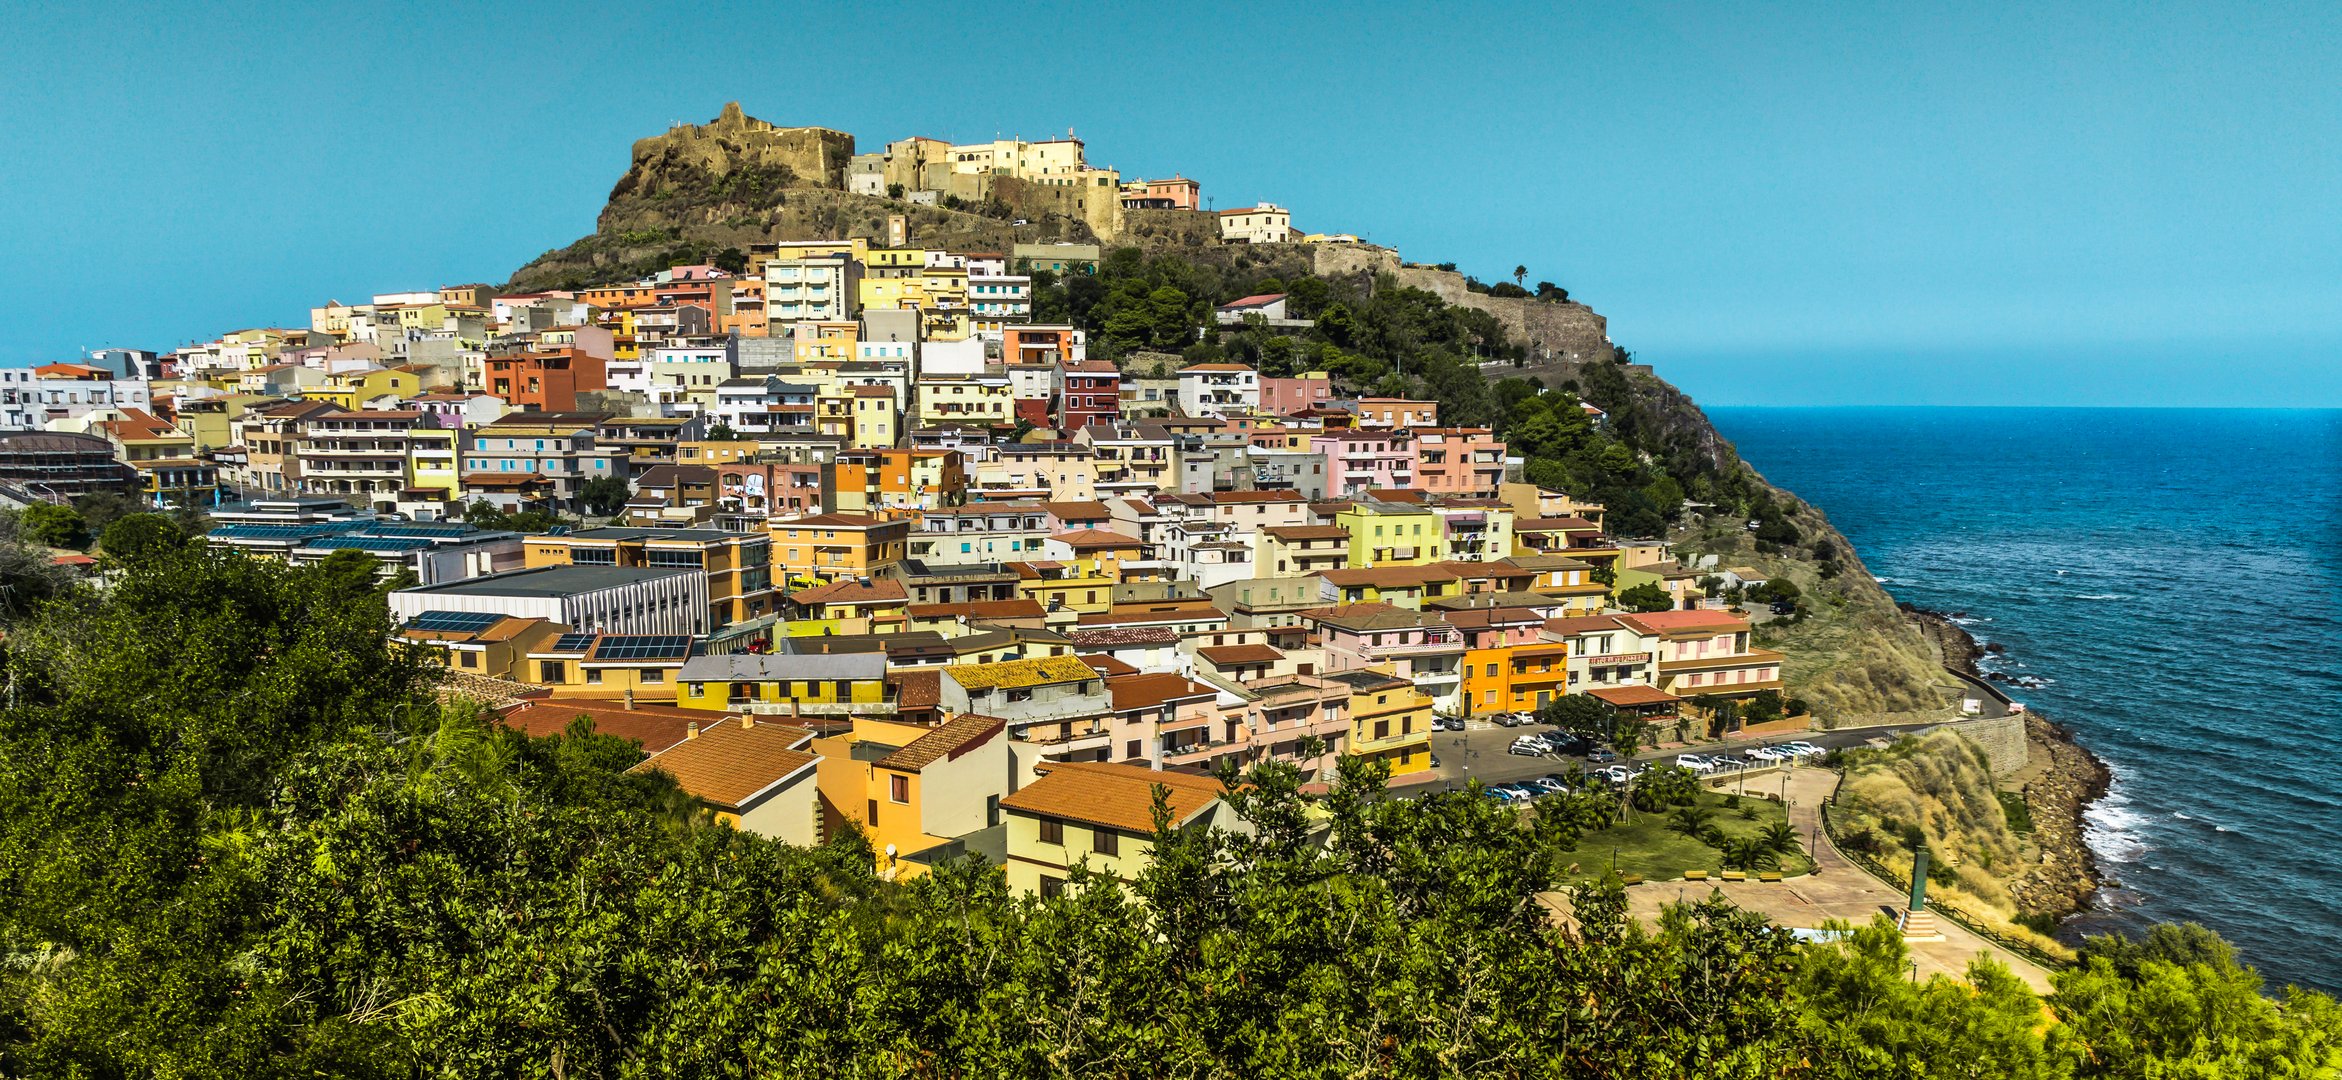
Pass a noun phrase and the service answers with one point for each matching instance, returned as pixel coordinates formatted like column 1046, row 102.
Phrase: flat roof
column 550, row 581
column 617, row 532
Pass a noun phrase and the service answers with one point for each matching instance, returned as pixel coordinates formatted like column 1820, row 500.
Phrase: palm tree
column 1520, row 274
column 1749, row 853
column 1780, row 837
column 1691, row 821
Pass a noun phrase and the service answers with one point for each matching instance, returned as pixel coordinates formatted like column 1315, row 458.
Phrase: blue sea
column 2171, row 581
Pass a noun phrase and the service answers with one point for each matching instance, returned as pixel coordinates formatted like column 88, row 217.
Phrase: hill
column 708, row 192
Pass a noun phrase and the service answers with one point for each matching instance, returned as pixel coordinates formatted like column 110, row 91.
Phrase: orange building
column 545, row 381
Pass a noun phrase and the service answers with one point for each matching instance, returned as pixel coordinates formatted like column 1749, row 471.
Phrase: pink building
column 1413, row 645
column 1458, row 461
column 1284, row 397
column 1165, row 719
column 1359, row 461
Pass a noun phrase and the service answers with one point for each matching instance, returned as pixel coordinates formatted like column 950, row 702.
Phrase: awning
column 1633, row 696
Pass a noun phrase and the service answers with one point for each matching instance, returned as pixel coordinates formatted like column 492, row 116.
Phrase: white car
column 1762, row 753
column 1807, row 749
column 1694, row 762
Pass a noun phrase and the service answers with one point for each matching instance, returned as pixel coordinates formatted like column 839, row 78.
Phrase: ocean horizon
column 2160, row 580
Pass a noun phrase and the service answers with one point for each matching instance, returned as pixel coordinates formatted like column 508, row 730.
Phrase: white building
column 1218, row 389
column 1267, row 223
column 587, row 599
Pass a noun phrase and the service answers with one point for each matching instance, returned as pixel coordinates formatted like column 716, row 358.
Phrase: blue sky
column 1788, row 204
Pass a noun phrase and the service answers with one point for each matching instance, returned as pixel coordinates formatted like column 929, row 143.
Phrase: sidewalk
column 1837, row 889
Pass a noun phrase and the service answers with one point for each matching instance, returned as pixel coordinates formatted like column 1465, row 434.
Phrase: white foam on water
column 2101, row 596
column 2112, row 828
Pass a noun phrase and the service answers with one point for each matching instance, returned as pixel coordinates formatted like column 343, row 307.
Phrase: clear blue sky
column 2127, row 203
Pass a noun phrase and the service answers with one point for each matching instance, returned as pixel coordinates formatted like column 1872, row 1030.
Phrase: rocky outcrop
column 1564, row 331
column 735, row 152
column 710, row 192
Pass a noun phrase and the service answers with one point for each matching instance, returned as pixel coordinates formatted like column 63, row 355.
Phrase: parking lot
column 1479, row 754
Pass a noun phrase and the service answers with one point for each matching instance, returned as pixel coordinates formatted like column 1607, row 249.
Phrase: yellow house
column 846, row 606
column 965, row 399
column 481, row 642
column 1390, row 720
column 797, row 684
column 820, row 340
column 432, row 462
column 1384, row 534
column 910, row 787
column 1100, row 816
column 636, row 666
column 353, row 389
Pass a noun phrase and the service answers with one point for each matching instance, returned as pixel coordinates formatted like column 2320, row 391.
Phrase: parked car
column 1765, row 754
column 1784, row 607
column 1600, row 756
column 1694, row 762
column 1806, row 748
column 1617, row 774
column 1549, row 785
column 1525, row 748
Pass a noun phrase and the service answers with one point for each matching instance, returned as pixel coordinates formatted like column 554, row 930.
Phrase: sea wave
column 2114, row 831
column 2100, row 596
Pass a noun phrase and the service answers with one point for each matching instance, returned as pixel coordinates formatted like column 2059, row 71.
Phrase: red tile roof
column 1115, row 796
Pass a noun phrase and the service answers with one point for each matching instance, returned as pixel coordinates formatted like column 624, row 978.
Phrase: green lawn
column 1646, row 846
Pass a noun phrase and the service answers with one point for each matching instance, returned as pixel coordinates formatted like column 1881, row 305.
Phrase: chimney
column 629, row 699
column 691, row 730
column 747, row 720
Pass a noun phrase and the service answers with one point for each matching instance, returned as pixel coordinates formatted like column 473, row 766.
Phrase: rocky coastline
column 2061, row 782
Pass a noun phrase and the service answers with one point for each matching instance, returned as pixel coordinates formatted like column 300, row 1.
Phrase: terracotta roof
column 1213, row 367
column 1223, row 498
column 1078, row 511
column 1559, row 524
column 1106, row 664
column 961, row 735
column 1115, row 796
column 1686, row 622
column 1631, row 695
column 1258, row 300
column 1228, row 655
column 1351, row 617
column 853, row 520
column 730, row 764
column 1582, row 624
column 979, row 610
column 1387, row 577
column 1095, row 538
column 1308, row 532
column 652, row 727
column 1142, row 691
column 878, row 591
column 917, row 688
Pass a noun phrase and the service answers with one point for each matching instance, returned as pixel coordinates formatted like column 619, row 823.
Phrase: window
column 898, row 788
column 467, row 659
column 1052, row 886
column 1052, row 831
column 696, row 689
column 872, row 810
column 594, row 675
column 1106, row 841
column 1382, row 729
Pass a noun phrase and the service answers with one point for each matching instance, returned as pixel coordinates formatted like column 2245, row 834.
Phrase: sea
column 2167, row 583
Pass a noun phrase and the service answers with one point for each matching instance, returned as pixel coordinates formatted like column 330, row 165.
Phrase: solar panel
column 573, row 643
column 639, row 647
column 455, row 622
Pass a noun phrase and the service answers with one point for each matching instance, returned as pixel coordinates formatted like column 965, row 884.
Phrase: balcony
column 1200, row 753
column 1394, row 741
